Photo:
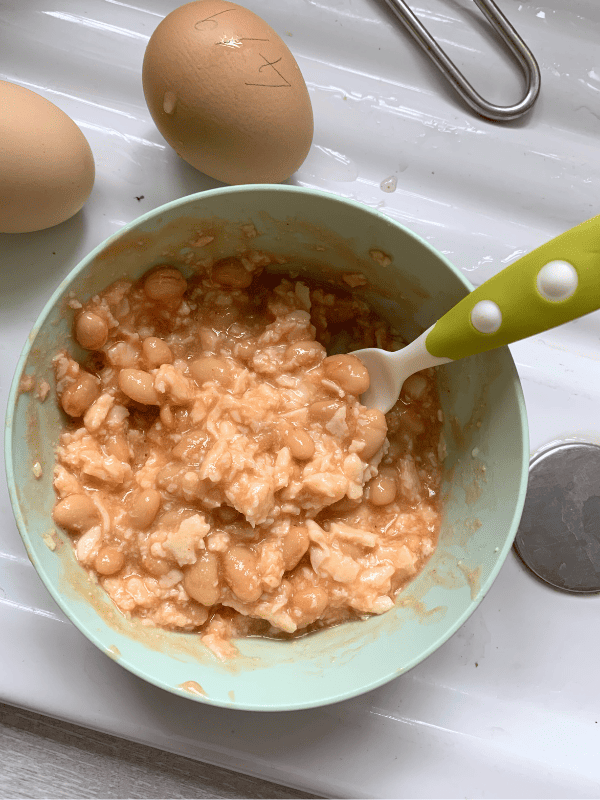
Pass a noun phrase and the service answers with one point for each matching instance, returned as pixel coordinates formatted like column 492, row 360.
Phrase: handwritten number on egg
column 268, row 63
column 212, row 19
column 282, row 83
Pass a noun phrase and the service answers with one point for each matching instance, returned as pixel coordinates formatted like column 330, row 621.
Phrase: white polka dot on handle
column 557, row 281
column 486, row 316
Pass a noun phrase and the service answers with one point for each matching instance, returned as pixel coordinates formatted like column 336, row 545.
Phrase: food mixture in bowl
column 219, row 473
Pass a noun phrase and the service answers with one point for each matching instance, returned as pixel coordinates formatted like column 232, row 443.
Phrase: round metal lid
column 559, row 535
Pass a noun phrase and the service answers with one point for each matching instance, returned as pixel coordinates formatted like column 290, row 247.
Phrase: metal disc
column 559, row 535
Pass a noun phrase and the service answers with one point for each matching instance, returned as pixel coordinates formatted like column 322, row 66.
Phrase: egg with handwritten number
column 46, row 165
column 227, row 94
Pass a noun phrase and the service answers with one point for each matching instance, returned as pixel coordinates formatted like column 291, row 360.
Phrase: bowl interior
column 485, row 470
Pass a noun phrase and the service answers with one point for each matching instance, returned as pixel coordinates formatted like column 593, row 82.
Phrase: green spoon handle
column 553, row 284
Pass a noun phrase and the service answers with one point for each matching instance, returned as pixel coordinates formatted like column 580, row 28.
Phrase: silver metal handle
column 511, row 38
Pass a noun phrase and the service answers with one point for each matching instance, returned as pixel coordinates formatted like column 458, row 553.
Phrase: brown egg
column 46, row 165
column 227, row 94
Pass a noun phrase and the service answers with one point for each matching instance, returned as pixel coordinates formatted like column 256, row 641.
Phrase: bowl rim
column 9, row 454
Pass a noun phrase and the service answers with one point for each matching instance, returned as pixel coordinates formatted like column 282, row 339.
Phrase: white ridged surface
column 509, row 706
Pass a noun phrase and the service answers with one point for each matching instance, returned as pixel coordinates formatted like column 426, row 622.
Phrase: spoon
column 554, row 284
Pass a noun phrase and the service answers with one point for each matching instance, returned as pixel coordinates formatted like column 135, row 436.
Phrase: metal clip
column 511, row 38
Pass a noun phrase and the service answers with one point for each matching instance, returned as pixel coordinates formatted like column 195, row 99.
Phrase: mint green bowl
column 485, row 470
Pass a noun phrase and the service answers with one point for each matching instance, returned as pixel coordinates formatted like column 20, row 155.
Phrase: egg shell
column 227, row 94
column 46, row 165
